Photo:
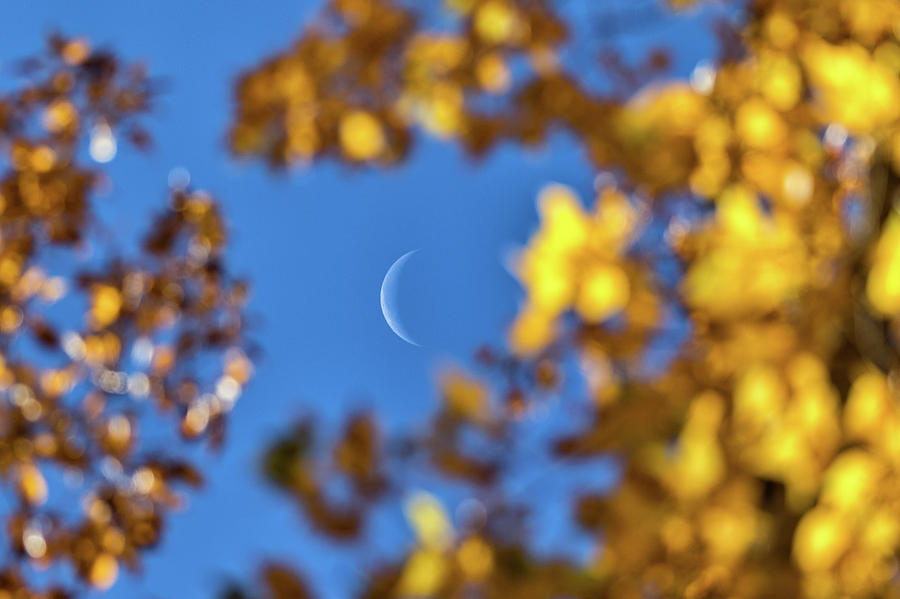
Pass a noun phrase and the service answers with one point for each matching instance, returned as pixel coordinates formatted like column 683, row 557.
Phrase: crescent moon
column 389, row 295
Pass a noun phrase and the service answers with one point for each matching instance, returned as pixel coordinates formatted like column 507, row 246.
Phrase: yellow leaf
column 821, row 538
column 59, row 116
column 531, row 331
column 857, row 92
column 868, row 407
column 76, row 51
column 850, row 481
column 32, row 484
column 464, row 396
column 237, row 366
column 883, row 285
column 423, row 574
column 361, row 135
column 780, row 80
column 492, row 73
column 429, row 521
column 604, row 291
column 758, row 125
column 43, row 158
column 105, row 305
column 104, row 571
column 759, row 398
column 495, row 21
column 475, row 558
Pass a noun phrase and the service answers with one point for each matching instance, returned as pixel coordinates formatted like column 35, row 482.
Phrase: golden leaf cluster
column 754, row 207
column 95, row 352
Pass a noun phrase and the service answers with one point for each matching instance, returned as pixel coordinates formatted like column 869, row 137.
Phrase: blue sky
column 315, row 245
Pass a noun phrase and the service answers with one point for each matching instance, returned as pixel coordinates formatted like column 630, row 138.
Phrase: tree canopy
column 730, row 298
column 100, row 346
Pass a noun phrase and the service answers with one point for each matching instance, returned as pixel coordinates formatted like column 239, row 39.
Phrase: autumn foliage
column 99, row 348
column 729, row 297
column 752, row 207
